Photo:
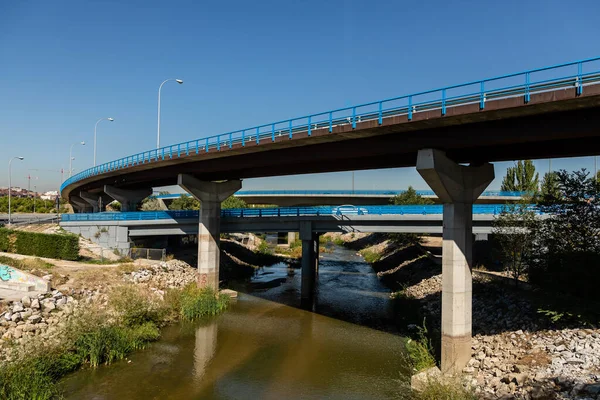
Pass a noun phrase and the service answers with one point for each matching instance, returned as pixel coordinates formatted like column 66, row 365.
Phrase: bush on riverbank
column 198, row 302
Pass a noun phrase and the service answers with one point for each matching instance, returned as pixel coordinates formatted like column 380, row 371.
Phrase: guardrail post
column 290, row 128
column 206, row 147
column 163, row 153
column 353, row 117
column 187, row 148
column 257, row 135
column 380, row 119
column 443, row 101
column 219, row 143
column 197, row 146
column 309, row 125
column 481, row 96
column 243, row 138
column 330, row 122
column 579, row 78
column 230, row 140
column 527, row 94
column 272, row 132
column 410, row 108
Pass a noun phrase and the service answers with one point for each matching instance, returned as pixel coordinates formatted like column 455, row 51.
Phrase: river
column 263, row 348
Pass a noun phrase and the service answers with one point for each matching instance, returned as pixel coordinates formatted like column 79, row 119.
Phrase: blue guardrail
column 576, row 74
column 493, row 209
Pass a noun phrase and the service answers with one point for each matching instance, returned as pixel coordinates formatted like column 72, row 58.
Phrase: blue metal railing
column 475, row 92
column 493, row 209
column 242, row 193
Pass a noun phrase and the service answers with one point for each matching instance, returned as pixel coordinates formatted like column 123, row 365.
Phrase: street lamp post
column 71, row 158
column 159, row 89
column 95, row 128
column 34, row 196
column 10, row 183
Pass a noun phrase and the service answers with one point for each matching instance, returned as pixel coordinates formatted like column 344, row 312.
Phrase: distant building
column 50, row 195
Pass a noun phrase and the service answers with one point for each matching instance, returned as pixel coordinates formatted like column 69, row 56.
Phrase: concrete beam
column 97, row 201
column 80, row 205
column 457, row 186
column 210, row 194
column 129, row 199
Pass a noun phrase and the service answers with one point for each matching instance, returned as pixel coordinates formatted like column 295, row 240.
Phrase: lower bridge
column 120, row 227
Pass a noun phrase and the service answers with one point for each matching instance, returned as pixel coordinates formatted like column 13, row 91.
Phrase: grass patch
column 198, row 302
column 339, row 241
column 263, row 248
column 27, row 264
column 135, row 307
column 444, row 389
column 370, row 256
column 420, row 350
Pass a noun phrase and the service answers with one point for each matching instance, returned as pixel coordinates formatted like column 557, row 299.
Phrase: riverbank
column 95, row 314
column 526, row 345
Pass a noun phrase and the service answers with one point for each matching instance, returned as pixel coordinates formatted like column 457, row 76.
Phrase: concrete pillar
column 457, row 187
column 97, row 201
column 210, row 194
column 481, row 237
column 307, row 289
column 129, row 199
column 291, row 238
column 316, row 236
column 80, row 205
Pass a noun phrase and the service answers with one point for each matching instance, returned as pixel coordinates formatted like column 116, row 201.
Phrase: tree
column 566, row 249
column 550, row 187
column 233, row 202
column 151, row 204
column 521, row 178
column 185, row 202
column 513, row 231
column 410, row 197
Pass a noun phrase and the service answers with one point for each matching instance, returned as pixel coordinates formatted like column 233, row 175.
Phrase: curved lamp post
column 159, row 89
column 71, row 158
column 95, row 128
column 10, row 183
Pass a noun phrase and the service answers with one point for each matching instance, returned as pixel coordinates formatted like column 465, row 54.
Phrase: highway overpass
column 547, row 112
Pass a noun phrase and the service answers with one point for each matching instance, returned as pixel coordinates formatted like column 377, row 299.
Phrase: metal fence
column 576, row 75
column 493, row 209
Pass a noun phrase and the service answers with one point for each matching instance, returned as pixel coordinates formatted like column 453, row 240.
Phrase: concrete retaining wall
column 113, row 237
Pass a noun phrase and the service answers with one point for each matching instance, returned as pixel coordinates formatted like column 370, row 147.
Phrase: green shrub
column 64, row 247
column 420, row 350
column 106, row 344
column 199, row 302
column 133, row 306
column 370, row 256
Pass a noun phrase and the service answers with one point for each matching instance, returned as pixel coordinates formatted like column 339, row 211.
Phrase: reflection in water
column 206, row 345
column 261, row 349
column 257, row 350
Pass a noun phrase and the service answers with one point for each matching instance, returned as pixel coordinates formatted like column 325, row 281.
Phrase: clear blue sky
column 65, row 64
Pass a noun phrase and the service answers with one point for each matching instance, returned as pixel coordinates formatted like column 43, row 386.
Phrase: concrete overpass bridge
column 543, row 113
column 292, row 198
column 387, row 219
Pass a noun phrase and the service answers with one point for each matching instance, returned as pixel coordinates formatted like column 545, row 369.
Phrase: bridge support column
column 129, row 199
column 210, row 194
column 97, row 201
column 309, row 265
column 457, row 187
column 291, row 238
column 80, row 205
